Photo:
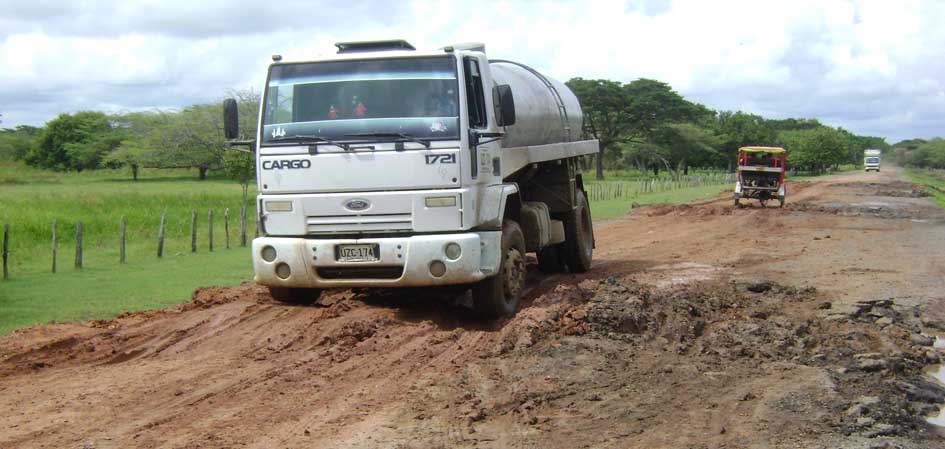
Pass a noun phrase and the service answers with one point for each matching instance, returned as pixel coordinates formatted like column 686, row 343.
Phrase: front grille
column 389, row 272
column 317, row 224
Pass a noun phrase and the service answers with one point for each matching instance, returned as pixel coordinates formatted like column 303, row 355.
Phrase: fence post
column 193, row 231
column 243, row 225
column 54, row 245
column 6, row 251
column 226, row 226
column 121, row 239
column 210, row 228
column 160, row 251
column 78, row 245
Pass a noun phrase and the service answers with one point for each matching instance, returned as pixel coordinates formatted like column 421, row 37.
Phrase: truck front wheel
column 498, row 295
column 301, row 296
column 579, row 236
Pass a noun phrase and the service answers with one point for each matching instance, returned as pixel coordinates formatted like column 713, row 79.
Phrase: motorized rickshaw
column 760, row 174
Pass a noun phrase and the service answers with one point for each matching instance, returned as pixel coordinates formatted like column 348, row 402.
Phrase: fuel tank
column 546, row 111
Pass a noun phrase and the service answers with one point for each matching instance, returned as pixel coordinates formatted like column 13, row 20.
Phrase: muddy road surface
column 700, row 326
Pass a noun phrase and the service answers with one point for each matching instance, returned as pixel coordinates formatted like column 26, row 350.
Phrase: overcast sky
column 874, row 67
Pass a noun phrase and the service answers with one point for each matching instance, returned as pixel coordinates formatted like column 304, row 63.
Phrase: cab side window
column 476, row 98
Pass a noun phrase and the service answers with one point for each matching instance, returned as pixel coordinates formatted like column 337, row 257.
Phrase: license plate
column 356, row 253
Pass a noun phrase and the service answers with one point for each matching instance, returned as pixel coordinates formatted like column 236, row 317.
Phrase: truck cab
column 871, row 159
column 382, row 166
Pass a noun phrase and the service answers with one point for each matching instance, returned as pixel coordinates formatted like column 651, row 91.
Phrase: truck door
column 484, row 158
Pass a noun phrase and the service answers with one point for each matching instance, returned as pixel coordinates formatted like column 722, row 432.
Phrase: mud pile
column 858, row 374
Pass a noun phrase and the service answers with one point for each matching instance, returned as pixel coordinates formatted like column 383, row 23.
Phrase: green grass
column 99, row 200
column 99, row 292
column 31, row 199
column 610, row 209
column 932, row 178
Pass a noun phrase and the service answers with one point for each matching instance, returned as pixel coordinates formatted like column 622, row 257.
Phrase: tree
column 687, row 144
column 814, row 149
column 16, row 143
column 633, row 113
column 740, row 129
column 241, row 167
column 72, row 142
column 603, row 103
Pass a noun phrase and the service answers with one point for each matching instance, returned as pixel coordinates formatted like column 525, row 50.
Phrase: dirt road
column 700, row 326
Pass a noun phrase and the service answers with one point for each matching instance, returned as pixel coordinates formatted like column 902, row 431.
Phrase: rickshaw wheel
column 762, row 201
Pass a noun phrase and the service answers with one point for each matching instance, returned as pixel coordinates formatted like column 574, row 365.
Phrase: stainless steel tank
column 546, row 111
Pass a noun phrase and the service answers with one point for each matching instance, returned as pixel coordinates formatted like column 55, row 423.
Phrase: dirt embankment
column 699, row 327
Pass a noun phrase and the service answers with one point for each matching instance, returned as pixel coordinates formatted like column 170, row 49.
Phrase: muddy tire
column 498, row 296
column 551, row 259
column 579, row 236
column 300, row 296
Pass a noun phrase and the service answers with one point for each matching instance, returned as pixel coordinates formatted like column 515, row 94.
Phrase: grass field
column 30, row 199
column 611, row 209
column 99, row 200
column 931, row 178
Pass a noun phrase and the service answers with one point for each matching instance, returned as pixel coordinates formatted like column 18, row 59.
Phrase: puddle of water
column 684, row 273
column 938, row 373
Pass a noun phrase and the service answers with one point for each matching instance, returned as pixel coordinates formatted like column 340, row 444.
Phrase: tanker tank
column 546, row 111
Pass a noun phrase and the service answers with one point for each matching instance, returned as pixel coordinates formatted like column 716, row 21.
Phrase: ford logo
column 357, row 205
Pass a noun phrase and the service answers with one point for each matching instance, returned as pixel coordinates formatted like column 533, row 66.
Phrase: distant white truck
column 383, row 166
column 871, row 159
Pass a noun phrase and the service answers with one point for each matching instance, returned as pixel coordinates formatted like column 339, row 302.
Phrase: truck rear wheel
column 551, row 259
column 579, row 236
column 301, row 296
column 498, row 295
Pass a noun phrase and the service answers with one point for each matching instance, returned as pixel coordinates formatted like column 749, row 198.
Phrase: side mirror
column 504, row 105
column 231, row 119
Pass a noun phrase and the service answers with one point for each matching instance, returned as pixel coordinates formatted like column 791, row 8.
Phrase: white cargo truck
column 383, row 166
column 871, row 159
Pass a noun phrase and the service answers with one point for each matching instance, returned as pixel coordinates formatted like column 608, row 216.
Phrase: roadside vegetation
column 920, row 153
column 645, row 125
column 932, row 180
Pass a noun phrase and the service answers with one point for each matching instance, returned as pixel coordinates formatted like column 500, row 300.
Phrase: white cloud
column 870, row 66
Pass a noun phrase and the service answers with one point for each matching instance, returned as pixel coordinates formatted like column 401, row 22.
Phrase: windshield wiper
column 302, row 138
column 407, row 137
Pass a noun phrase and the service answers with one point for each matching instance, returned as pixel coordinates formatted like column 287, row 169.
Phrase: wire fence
column 238, row 233
column 612, row 190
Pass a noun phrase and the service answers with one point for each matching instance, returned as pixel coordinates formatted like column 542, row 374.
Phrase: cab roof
column 772, row 150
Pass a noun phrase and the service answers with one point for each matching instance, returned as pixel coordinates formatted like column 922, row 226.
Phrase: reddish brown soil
column 700, row 326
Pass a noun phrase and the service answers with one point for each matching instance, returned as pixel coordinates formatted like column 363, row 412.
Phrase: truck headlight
column 440, row 201
column 278, row 206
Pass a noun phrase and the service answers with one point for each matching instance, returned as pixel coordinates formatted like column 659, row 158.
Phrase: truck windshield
column 331, row 100
column 872, row 160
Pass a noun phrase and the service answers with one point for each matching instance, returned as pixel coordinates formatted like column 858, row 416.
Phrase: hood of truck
column 359, row 171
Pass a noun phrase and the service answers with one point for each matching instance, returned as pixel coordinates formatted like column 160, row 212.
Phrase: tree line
column 643, row 124
column 920, row 153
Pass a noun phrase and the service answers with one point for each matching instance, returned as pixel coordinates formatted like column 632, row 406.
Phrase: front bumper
column 402, row 261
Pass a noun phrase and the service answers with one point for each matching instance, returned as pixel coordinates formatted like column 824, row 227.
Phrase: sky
column 872, row 67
